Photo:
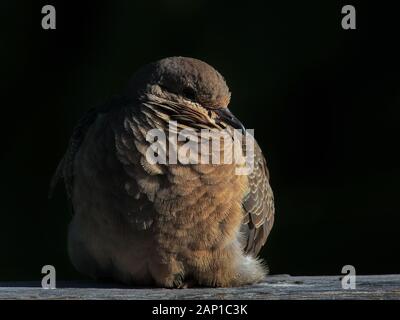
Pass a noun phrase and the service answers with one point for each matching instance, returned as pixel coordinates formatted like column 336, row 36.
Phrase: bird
column 169, row 225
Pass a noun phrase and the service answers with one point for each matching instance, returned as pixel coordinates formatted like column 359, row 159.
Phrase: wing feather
column 258, row 205
column 65, row 167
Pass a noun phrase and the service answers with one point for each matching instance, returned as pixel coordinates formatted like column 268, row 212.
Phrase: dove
column 164, row 224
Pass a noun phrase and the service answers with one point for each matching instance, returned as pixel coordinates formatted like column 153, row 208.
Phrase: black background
column 324, row 103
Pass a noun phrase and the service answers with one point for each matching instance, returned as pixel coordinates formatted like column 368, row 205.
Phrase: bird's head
column 190, row 89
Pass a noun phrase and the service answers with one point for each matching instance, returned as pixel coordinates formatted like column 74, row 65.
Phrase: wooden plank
column 275, row 287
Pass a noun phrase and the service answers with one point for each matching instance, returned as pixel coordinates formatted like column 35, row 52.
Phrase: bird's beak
column 226, row 116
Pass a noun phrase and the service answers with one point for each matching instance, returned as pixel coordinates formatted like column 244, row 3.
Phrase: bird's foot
column 187, row 284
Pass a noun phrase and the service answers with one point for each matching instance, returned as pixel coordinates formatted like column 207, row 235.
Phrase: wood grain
column 275, row 287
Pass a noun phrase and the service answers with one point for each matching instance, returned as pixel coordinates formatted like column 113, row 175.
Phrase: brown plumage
column 164, row 224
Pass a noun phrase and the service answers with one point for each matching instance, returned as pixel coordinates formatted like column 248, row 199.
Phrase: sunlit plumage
column 169, row 225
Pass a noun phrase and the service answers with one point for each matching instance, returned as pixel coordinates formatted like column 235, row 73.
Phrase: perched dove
column 167, row 224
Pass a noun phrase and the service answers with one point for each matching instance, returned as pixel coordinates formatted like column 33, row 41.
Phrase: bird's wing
column 65, row 167
column 258, row 205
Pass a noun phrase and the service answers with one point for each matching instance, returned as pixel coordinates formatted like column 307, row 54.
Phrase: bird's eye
column 189, row 93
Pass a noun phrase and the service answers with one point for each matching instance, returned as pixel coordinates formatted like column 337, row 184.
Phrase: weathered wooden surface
column 275, row 287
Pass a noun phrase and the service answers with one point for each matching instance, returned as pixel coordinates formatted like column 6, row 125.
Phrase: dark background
column 324, row 103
